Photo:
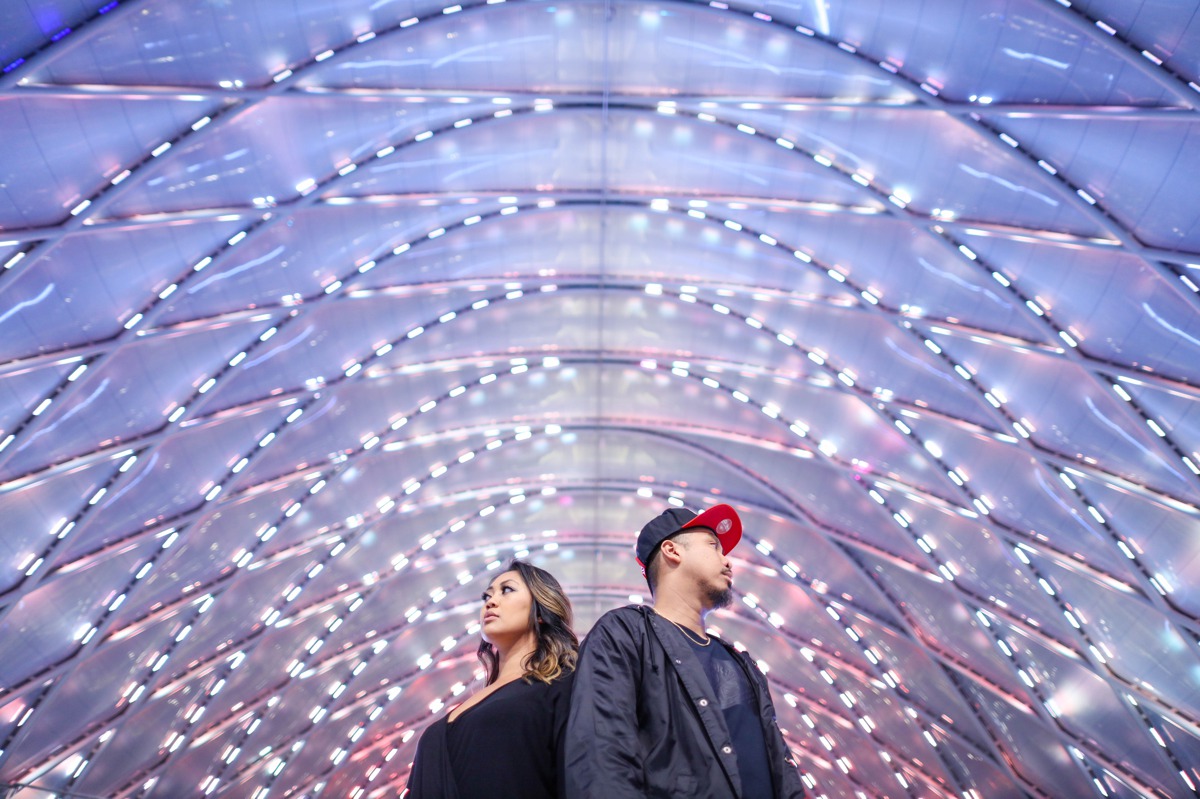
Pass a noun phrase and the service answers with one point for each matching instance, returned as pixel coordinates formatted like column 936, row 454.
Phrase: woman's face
column 505, row 612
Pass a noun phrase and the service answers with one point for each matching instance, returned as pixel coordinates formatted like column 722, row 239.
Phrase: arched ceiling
column 311, row 313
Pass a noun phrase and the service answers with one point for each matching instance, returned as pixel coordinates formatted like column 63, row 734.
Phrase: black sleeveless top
column 509, row 746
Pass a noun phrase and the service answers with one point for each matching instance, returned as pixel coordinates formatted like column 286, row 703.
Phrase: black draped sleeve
column 432, row 776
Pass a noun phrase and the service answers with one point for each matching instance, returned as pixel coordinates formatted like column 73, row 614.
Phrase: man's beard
column 719, row 598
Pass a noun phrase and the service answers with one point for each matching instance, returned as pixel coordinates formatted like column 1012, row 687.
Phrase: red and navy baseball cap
column 721, row 519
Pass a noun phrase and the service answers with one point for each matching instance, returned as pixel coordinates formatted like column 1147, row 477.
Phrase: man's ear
column 670, row 549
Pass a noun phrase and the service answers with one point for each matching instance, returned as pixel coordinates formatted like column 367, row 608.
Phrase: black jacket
column 644, row 721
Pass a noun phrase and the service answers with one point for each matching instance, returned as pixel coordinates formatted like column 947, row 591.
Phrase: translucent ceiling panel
column 943, row 42
column 211, row 643
column 37, row 519
column 202, row 554
column 1160, row 28
column 623, row 241
column 984, row 775
column 1131, row 638
column 985, row 564
column 937, row 165
column 456, row 534
column 86, row 287
column 150, row 48
column 68, row 154
column 1035, row 755
column 1163, row 150
column 47, row 628
column 315, row 314
column 100, row 701
column 825, row 563
column 861, row 352
column 931, row 691
column 1178, row 404
column 943, row 618
column 1161, row 543
column 290, row 261
column 1051, row 516
column 765, row 609
column 1090, row 709
column 1183, row 742
column 917, row 276
column 698, row 50
column 26, row 27
column 23, row 391
column 128, row 399
column 654, row 154
column 1109, row 430
column 325, row 441
column 167, row 487
column 1091, row 292
column 223, row 165
column 850, row 515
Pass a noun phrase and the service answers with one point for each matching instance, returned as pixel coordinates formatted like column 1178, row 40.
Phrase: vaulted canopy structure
column 315, row 312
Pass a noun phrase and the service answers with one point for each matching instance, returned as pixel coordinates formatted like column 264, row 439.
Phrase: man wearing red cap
column 660, row 708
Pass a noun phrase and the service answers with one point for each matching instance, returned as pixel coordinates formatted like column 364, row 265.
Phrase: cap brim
column 723, row 521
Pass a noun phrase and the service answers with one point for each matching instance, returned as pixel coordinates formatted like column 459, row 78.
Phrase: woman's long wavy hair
column 551, row 618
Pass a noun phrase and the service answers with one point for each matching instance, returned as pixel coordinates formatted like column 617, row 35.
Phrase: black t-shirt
column 735, row 697
column 509, row 746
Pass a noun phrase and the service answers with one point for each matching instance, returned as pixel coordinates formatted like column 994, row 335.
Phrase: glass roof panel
column 123, row 401
column 934, row 610
column 1029, row 52
column 1153, row 647
column 1090, row 709
column 38, row 519
column 26, row 28
column 655, row 153
column 1159, row 27
column 55, row 618
column 86, row 287
column 284, row 264
column 1163, row 150
column 312, row 314
column 69, row 156
column 1163, row 543
column 1035, row 755
column 218, row 166
column 706, row 51
column 188, row 44
column 23, row 391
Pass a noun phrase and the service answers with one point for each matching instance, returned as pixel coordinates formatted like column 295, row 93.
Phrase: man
column 660, row 708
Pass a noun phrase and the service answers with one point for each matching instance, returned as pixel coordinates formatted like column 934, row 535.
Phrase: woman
column 505, row 741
